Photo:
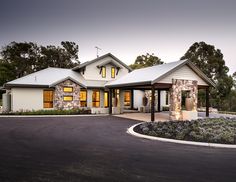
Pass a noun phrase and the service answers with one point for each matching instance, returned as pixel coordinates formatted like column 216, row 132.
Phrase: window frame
column 83, row 101
column 106, row 103
column 50, row 101
column 68, row 96
column 113, row 68
column 94, row 102
column 127, row 102
column 68, row 87
column 104, row 71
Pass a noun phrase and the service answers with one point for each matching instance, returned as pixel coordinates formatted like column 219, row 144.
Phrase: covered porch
column 179, row 78
column 176, row 110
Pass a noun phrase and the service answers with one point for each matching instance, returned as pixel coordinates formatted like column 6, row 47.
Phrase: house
column 91, row 84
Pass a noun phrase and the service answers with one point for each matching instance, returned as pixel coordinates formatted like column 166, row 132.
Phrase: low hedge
column 51, row 112
column 215, row 130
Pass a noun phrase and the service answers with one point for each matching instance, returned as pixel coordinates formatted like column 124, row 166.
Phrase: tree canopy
column 210, row 61
column 146, row 61
column 21, row 58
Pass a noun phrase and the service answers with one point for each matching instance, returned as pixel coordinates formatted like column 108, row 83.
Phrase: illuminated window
column 127, row 98
column 48, row 99
column 83, row 98
column 96, row 98
column 106, row 98
column 103, row 72
column 68, row 89
column 113, row 72
column 68, row 98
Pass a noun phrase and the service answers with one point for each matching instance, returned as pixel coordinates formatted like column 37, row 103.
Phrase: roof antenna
column 96, row 47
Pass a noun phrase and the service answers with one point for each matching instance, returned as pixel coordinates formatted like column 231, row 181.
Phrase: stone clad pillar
column 178, row 86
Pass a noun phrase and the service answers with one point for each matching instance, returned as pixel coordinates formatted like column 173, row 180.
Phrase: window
column 96, row 98
column 113, row 72
column 127, row 98
column 103, row 72
column 68, row 98
column 47, row 99
column 83, row 98
column 167, row 98
column 106, row 99
column 68, row 89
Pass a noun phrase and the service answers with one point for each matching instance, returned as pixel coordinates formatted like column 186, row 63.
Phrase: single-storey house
column 108, row 85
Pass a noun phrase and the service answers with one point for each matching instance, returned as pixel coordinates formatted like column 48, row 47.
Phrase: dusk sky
column 126, row 28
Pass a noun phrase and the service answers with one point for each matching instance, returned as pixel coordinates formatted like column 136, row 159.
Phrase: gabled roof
column 47, row 78
column 99, row 58
column 151, row 75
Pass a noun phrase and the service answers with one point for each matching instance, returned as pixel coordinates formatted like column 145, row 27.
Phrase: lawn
column 214, row 130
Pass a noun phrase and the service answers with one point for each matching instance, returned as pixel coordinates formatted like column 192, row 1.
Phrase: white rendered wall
column 93, row 73
column 26, row 99
column 138, row 98
column 184, row 73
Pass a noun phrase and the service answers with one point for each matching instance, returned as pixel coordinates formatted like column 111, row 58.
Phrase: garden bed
column 215, row 130
column 51, row 112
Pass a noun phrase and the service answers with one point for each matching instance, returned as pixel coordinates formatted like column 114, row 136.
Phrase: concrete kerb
column 132, row 132
column 50, row 116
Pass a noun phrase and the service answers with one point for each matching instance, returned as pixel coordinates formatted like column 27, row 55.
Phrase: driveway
column 99, row 149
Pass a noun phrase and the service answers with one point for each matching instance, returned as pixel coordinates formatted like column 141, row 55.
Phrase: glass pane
column 67, row 98
column 83, row 95
column 106, row 99
column 68, row 89
column 83, row 104
column 113, row 72
column 96, row 98
column 103, row 72
column 127, row 98
column 47, row 98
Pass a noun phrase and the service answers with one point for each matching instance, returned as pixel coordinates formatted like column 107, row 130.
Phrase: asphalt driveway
column 99, row 149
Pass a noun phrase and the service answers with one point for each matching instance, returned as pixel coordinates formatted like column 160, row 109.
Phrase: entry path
column 69, row 149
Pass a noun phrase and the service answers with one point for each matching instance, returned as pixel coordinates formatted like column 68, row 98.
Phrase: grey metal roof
column 99, row 58
column 47, row 77
column 50, row 77
column 151, row 75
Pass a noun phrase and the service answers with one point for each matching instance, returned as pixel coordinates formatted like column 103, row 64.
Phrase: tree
column 21, row 56
column 146, row 61
column 28, row 57
column 211, row 62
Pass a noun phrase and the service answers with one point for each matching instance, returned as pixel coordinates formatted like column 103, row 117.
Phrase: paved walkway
column 73, row 149
column 164, row 116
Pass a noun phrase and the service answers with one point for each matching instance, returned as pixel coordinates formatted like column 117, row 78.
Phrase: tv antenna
column 96, row 47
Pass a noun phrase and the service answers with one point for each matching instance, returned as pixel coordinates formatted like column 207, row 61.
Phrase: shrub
column 217, row 130
column 51, row 112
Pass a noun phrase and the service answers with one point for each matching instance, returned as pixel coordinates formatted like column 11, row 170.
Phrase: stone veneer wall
column 176, row 95
column 59, row 103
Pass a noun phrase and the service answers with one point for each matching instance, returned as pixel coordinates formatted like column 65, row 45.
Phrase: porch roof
column 151, row 75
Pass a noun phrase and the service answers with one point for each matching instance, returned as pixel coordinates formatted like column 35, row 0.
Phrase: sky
column 125, row 28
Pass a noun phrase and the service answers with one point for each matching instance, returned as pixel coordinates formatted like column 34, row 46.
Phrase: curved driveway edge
column 132, row 132
column 51, row 116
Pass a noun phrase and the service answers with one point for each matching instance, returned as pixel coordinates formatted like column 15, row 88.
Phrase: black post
column 207, row 102
column 159, row 101
column 152, row 104
column 132, row 99
column 110, row 101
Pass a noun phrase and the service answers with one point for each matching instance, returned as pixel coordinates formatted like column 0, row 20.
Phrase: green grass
column 221, row 130
column 51, row 112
